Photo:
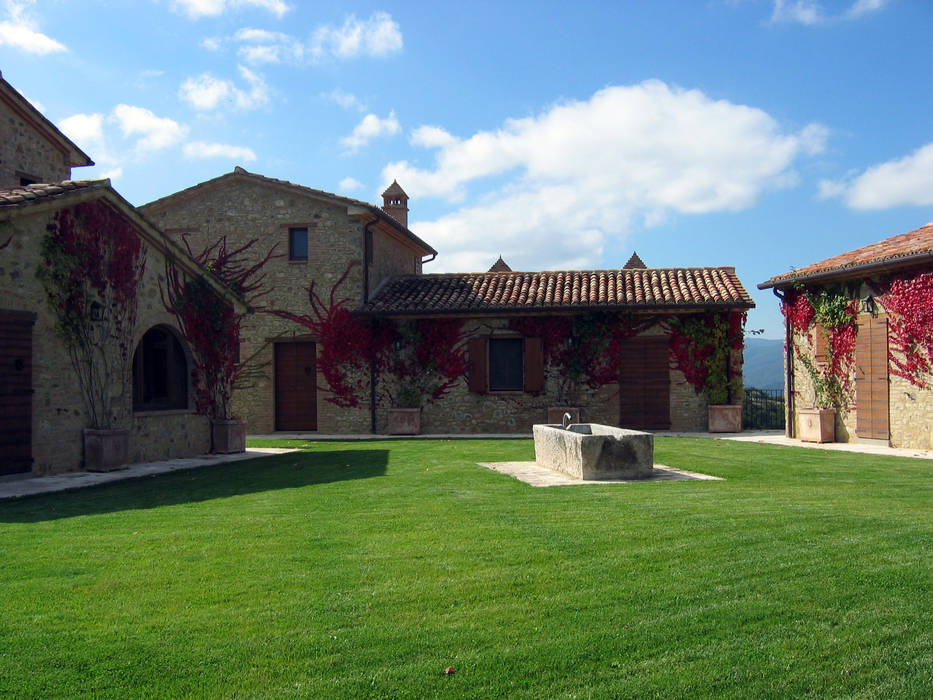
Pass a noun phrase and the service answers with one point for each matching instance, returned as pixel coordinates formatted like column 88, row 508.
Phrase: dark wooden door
column 645, row 384
column 15, row 391
column 871, row 378
column 295, row 386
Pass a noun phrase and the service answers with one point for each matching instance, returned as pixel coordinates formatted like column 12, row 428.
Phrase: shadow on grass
column 287, row 471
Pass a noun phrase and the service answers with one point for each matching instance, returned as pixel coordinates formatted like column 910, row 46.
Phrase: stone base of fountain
column 592, row 451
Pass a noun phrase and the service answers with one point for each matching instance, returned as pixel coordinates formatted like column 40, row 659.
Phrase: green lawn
column 364, row 570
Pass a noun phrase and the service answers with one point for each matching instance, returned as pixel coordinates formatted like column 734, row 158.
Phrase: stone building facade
column 880, row 405
column 320, row 240
column 502, row 305
column 57, row 414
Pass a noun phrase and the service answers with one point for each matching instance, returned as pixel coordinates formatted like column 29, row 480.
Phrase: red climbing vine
column 701, row 347
column 92, row 265
column 414, row 362
column 210, row 323
column 909, row 303
column 834, row 314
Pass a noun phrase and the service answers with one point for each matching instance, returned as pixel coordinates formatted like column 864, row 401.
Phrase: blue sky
column 764, row 134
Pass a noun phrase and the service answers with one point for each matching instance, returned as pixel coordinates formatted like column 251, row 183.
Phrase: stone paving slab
column 16, row 488
column 535, row 475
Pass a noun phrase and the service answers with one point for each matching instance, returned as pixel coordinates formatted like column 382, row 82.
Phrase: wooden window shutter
column 820, row 343
column 478, row 368
column 534, row 364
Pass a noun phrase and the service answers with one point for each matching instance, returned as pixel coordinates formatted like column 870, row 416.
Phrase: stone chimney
column 395, row 203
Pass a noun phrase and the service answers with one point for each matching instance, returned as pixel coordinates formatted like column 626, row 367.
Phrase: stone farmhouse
column 323, row 238
column 42, row 410
column 870, row 367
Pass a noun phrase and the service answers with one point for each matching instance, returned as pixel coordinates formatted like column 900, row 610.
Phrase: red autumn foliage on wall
column 909, row 303
column 210, row 323
column 93, row 264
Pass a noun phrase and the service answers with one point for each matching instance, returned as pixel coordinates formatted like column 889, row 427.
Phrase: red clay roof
column 25, row 196
column 493, row 292
column 898, row 251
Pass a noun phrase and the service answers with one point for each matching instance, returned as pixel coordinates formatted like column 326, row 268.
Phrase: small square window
column 506, row 361
column 297, row 244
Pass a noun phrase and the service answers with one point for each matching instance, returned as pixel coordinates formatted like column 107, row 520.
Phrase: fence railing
column 763, row 409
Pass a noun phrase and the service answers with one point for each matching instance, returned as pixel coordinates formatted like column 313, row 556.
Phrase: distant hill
column 764, row 363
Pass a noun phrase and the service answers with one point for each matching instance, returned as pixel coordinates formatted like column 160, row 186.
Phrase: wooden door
column 295, row 386
column 645, row 384
column 871, row 378
column 16, row 391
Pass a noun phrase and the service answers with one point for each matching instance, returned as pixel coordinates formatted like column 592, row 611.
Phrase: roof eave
column 561, row 310
column 843, row 273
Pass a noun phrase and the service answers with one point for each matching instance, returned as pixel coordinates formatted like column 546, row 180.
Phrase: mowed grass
column 364, row 570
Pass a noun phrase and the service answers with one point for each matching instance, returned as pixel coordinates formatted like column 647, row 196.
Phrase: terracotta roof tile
column 30, row 194
column 900, row 249
column 488, row 292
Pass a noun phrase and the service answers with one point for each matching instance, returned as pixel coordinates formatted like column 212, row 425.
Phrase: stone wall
column 911, row 415
column 466, row 412
column 59, row 412
column 24, row 152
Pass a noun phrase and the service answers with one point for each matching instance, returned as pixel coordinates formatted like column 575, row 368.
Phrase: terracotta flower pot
column 228, row 436
column 725, row 418
column 817, row 424
column 404, row 421
column 106, row 450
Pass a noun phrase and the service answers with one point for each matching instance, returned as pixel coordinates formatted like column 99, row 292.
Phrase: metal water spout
column 565, row 421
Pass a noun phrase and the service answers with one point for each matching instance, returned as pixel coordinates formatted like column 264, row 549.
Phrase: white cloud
column 345, row 99
column 138, row 134
column 801, row 11
column 811, row 12
column 581, row 171
column 205, row 92
column 264, row 46
column 211, row 43
column 200, row 149
column 213, row 8
column 431, row 137
column 21, row 31
column 899, row 182
column 863, row 7
column 349, row 184
column 155, row 133
column 86, row 130
column 378, row 36
column 369, row 128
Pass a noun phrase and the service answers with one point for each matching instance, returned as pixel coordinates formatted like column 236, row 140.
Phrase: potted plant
column 428, row 357
column 824, row 322
column 707, row 349
column 405, row 417
column 211, row 325
column 818, row 422
column 92, row 265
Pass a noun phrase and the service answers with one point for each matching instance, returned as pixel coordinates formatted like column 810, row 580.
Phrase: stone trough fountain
column 590, row 451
